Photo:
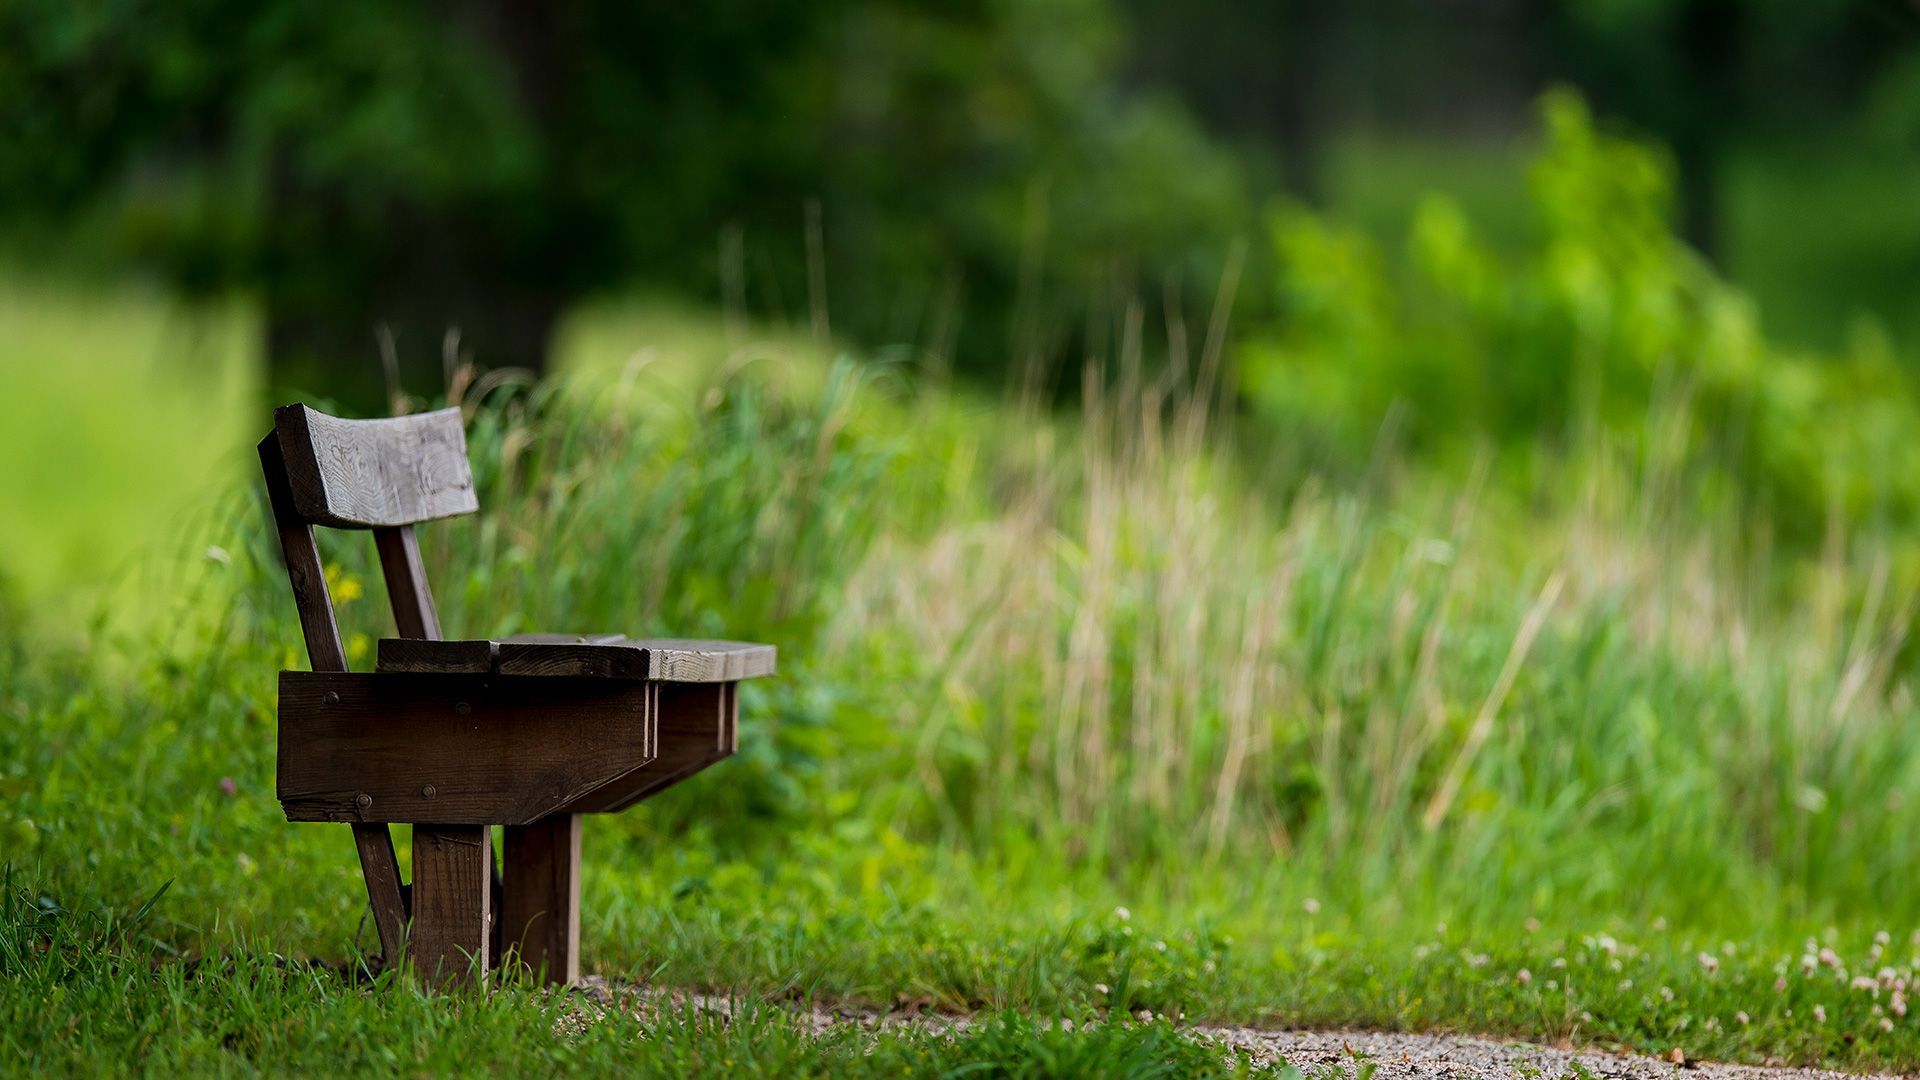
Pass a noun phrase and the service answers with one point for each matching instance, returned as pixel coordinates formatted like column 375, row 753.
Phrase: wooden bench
column 527, row 732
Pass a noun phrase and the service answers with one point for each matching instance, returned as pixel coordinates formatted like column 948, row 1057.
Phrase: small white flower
column 1807, row 963
column 1310, row 906
column 1666, row 994
column 1159, row 946
column 1207, row 967
column 1559, row 962
column 1830, row 958
column 1533, row 925
column 1478, row 960
column 1883, row 938
column 1100, row 988
column 1712, row 964
column 1886, row 1024
column 1863, row 982
column 1626, row 984
column 1898, row 1004
column 1523, row 976
column 1740, row 1018
column 1553, row 984
column 1819, row 1014
column 1122, row 914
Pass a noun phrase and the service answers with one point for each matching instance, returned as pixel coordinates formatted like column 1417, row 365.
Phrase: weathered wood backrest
column 384, row 475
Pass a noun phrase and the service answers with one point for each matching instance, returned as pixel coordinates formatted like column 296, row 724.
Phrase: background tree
column 481, row 164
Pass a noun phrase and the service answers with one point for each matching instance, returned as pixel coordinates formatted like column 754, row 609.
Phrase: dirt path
column 1318, row 1054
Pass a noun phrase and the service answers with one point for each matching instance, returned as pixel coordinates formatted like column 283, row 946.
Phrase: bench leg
column 452, row 904
column 382, row 872
column 540, row 897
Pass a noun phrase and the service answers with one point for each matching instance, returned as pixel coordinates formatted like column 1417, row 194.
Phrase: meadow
column 1283, row 677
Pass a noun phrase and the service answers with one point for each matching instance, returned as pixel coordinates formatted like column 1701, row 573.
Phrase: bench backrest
column 384, row 475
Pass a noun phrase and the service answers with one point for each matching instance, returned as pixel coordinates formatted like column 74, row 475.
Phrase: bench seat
column 605, row 656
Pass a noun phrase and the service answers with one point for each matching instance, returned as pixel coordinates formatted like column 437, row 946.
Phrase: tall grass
column 1095, row 641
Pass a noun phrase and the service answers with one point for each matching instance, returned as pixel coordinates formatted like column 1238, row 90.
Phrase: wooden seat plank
column 600, row 656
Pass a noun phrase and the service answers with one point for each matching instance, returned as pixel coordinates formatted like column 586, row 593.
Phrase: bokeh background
column 966, row 186
column 1302, row 473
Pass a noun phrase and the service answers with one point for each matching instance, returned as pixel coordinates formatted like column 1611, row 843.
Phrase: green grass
column 118, row 415
column 1078, row 716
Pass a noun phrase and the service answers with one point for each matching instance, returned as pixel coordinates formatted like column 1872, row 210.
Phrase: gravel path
column 1317, row 1054
column 1420, row 1057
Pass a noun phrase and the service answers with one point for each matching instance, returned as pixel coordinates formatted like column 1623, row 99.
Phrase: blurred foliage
column 1601, row 329
column 482, row 165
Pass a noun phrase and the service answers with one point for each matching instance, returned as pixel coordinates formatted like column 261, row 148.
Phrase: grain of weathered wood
column 452, row 904
column 413, row 611
column 696, row 727
column 465, row 749
column 366, row 474
column 693, row 660
column 540, row 903
column 603, row 656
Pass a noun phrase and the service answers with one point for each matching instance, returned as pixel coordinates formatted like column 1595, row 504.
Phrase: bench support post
column 452, row 904
column 540, row 899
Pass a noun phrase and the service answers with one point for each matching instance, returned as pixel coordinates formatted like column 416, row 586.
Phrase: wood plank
column 697, row 726
column 459, row 749
column 695, row 660
column 309, row 579
column 413, row 611
column 401, row 655
column 603, row 656
column 452, row 902
column 369, row 474
column 613, row 660
column 382, row 871
column 540, row 902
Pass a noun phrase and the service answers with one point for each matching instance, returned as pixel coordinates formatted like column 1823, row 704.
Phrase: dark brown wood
column 464, row 749
column 382, row 871
column 413, row 610
column 315, row 607
column 601, row 656
column 526, row 732
column 540, row 901
column 696, row 727
column 369, row 474
column 399, row 655
column 309, row 579
column 452, row 902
